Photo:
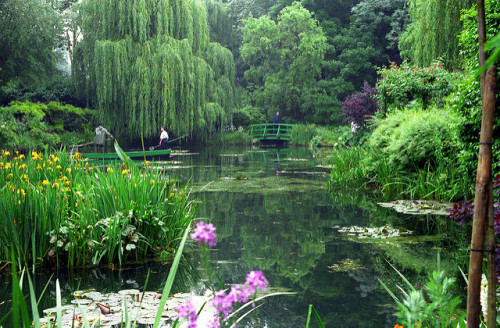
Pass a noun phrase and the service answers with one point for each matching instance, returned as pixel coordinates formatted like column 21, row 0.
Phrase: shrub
column 237, row 138
column 412, row 138
column 399, row 85
column 27, row 125
column 302, row 134
column 357, row 108
column 248, row 115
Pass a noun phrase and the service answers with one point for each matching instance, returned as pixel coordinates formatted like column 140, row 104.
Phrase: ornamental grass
column 58, row 209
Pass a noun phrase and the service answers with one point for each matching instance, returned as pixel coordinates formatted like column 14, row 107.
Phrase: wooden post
column 483, row 195
column 482, row 201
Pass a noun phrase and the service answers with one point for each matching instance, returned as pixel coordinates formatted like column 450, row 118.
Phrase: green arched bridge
column 271, row 131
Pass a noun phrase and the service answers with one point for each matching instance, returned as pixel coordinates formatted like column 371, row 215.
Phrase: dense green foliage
column 284, row 60
column 30, row 33
column 466, row 96
column 33, row 126
column 399, row 85
column 61, row 211
column 433, row 32
column 185, row 81
column 411, row 138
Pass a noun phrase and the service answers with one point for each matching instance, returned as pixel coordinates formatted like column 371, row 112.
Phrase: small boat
column 149, row 154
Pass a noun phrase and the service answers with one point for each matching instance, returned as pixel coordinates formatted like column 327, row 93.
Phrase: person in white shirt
column 163, row 138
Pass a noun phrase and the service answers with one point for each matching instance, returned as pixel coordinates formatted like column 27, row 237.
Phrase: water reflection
column 273, row 213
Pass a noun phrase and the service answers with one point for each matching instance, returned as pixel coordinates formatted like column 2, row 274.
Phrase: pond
column 273, row 212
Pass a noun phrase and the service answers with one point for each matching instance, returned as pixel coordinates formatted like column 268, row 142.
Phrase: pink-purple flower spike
column 256, row 279
column 204, row 233
column 188, row 311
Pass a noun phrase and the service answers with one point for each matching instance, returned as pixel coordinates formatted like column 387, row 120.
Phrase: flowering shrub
column 398, row 85
column 461, row 212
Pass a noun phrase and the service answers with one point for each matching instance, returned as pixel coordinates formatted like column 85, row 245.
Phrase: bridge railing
column 271, row 131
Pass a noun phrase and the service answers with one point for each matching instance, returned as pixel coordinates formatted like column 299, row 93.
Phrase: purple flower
column 204, row 233
column 222, row 303
column 239, row 293
column 188, row 311
column 214, row 322
column 256, row 279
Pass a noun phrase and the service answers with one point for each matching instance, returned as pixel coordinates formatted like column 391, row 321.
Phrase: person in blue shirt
column 276, row 120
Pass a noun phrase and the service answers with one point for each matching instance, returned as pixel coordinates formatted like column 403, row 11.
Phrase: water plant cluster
column 61, row 210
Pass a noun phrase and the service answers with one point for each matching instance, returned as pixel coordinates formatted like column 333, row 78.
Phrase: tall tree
column 433, row 32
column 29, row 33
column 284, row 60
column 146, row 63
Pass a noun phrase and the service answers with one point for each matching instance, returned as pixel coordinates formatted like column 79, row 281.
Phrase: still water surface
column 274, row 213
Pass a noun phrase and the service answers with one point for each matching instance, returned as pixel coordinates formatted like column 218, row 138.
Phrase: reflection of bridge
column 271, row 132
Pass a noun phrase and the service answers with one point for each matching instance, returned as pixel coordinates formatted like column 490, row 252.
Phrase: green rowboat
column 156, row 153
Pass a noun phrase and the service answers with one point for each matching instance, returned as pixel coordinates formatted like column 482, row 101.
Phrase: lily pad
column 419, row 207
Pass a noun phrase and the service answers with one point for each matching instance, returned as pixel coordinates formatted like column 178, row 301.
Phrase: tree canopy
column 147, row 63
column 284, row 60
column 433, row 32
column 30, row 31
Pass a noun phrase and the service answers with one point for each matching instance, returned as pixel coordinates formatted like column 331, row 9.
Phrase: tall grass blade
column 123, row 156
column 171, row 277
column 258, row 299
column 58, row 305
column 313, row 310
column 244, row 315
column 34, row 304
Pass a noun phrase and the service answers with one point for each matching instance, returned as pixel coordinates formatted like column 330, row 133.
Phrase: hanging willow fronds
column 433, row 31
column 146, row 63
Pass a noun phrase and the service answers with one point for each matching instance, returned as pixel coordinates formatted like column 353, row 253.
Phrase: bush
column 248, row 115
column 359, row 107
column 28, row 125
column 338, row 136
column 412, row 138
column 399, row 85
column 236, row 138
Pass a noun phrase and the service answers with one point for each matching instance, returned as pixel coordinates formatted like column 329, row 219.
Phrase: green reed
column 59, row 209
column 358, row 167
column 348, row 169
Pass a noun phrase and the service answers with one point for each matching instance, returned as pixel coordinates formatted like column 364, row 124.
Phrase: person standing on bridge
column 276, row 120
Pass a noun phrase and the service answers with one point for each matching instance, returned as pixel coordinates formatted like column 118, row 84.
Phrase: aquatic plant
column 437, row 307
column 60, row 210
column 302, row 134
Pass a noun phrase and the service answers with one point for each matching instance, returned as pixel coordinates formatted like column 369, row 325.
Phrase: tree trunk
column 489, row 95
column 483, row 194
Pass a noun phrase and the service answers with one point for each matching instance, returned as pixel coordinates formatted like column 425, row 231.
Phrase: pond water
column 274, row 213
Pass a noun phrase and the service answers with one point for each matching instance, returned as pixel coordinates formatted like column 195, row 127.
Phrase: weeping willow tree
column 147, row 63
column 433, row 32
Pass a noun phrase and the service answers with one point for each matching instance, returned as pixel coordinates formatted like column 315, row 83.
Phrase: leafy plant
column 302, row 134
column 399, row 85
column 67, row 212
column 437, row 307
column 359, row 107
column 412, row 138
